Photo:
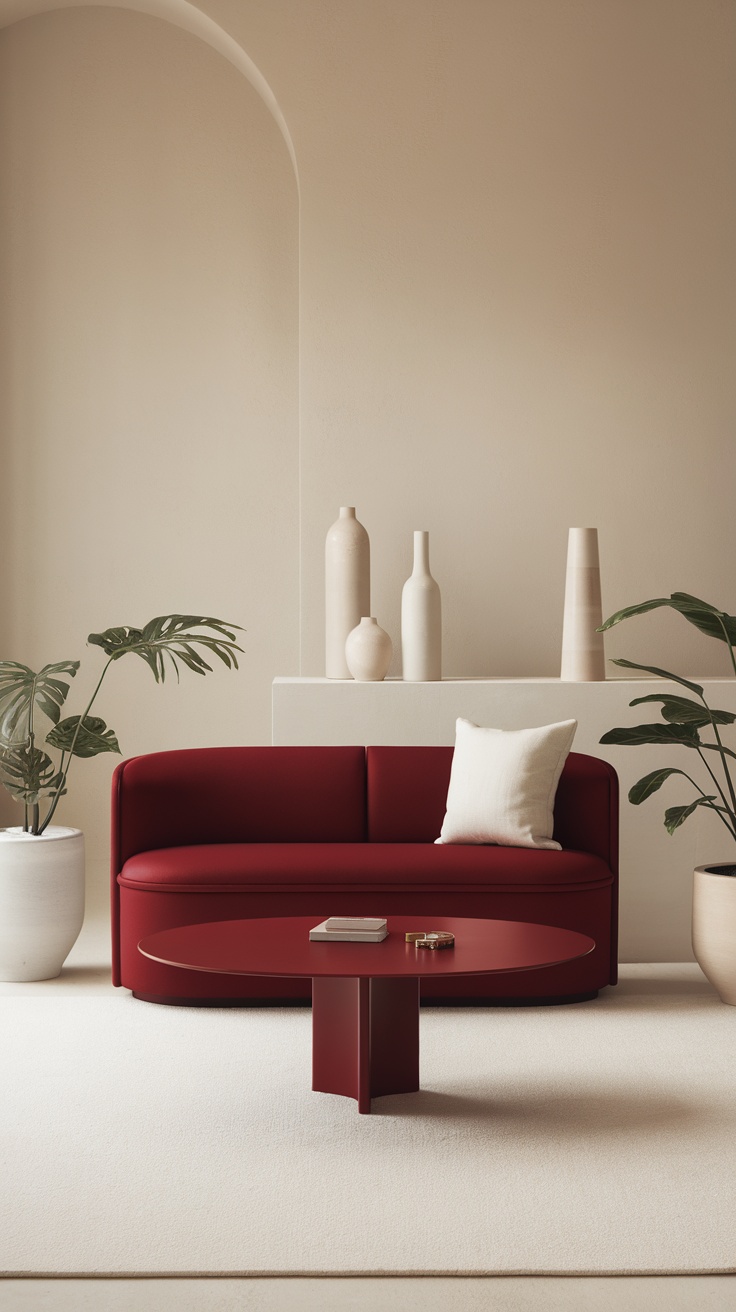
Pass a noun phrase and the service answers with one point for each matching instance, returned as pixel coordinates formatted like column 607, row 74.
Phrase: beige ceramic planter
column 714, row 927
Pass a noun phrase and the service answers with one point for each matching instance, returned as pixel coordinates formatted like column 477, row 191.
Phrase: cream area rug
column 593, row 1139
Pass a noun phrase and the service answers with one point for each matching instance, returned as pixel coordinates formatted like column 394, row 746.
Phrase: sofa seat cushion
column 225, row 867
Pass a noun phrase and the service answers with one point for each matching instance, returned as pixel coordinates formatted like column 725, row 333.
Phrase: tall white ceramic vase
column 41, row 901
column 421, row 619
column 347, row 587
column 583, row 657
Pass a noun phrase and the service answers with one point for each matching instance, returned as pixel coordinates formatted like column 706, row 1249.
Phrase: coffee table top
column 282, row 947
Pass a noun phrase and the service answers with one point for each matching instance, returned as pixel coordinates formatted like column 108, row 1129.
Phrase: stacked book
column 350, row 929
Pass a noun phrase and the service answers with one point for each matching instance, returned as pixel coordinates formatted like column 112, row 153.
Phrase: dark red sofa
column 233, row 832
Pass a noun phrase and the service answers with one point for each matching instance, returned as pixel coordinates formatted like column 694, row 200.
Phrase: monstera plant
column 42, row 866
column 31, row 705
column 691, row 723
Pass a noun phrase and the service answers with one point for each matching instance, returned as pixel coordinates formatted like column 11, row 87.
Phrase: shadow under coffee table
column 365, row 996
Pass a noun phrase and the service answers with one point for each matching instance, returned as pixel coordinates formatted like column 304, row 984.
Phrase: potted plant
column 42, row 865
column 691, row 723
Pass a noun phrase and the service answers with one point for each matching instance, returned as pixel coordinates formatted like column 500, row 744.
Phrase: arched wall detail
column 189, row 18
column 180, row 13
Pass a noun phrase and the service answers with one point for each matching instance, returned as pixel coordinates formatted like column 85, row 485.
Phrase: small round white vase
column 421, row 619
column 41, row 901
column 368, row 651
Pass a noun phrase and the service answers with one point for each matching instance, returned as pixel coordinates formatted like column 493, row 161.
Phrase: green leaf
column 21, row 689
column 674, row 816
column 661, row 674
column 29, row 774
column 172, row 636
column 628, row 611
column 644, row 788
column 686, row 735
column 117, row 640
column 680, row 710
column 709, row 619
column 93, row 738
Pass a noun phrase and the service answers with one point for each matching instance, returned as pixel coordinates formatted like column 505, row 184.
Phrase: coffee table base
column 365, row 1037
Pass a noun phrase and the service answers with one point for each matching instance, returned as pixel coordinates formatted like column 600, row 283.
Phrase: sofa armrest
column 586, row 808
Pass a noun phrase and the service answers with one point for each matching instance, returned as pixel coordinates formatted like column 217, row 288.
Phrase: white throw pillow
column 503, row 784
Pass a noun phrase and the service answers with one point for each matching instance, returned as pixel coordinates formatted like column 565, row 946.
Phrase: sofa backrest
column 238, row 795
column 407, row 791
column 318, row 795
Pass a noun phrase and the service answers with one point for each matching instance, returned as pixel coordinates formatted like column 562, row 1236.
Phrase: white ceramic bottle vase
column 347, row 587
column 421, row 619
column 583, row 657
column 368, row 651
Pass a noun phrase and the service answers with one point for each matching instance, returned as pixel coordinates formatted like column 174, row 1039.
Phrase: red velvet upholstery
column 221, row 867
column 241, row 795
column 407, row 791
column 216, row 834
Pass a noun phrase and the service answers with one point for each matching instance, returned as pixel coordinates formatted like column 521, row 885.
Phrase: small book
column 369, row 924
column 321, row 934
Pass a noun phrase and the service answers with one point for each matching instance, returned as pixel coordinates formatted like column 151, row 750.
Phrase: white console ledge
column 656, row 869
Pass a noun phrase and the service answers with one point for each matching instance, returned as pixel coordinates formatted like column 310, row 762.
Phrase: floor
column 439, row 1294
column 87, row 970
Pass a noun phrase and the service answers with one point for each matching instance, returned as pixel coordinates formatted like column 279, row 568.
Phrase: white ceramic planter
column 41, row 901
column 714, row 928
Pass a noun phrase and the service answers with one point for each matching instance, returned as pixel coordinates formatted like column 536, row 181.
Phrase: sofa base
column 425, row 1002
column 587, row 910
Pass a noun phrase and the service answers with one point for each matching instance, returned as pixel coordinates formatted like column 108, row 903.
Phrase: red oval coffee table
column 365, row 996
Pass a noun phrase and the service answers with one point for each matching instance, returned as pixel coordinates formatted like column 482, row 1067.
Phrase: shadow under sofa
column 230, row 833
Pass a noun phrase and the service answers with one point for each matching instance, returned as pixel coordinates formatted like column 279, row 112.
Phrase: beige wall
column 516, row 296
column 517, row 304
column 149, row 247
